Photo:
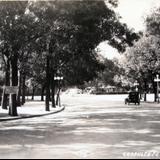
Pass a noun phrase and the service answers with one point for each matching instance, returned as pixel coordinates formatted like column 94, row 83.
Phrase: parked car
column 133, row 97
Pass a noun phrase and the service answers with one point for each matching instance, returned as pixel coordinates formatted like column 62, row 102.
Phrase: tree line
column 44, row 39
column 142, row 61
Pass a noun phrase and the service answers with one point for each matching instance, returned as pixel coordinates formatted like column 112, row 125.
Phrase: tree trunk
column 42, row 92
column 145, row 92
column 47, row 84
column 14, row 82
column 7, row 83
column 145, row 97
column 23, row 89
column 19, row 90
column 33, row 92
column 53, row 92
column 53, row 98
column 50, row 98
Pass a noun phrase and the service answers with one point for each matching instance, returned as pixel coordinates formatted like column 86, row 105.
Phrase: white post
column 158, row 87
column 157, row 80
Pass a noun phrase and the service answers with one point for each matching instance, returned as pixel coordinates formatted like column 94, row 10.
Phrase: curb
column 33, row 116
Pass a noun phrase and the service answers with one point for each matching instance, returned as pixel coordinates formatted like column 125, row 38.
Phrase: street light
column 157, row 80
column 59, row 79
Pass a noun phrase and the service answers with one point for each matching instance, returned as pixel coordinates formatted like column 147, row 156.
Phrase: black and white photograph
column 79, row 79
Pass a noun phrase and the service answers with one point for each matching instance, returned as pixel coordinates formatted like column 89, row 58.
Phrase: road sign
column 8, row 90
column 11, row 89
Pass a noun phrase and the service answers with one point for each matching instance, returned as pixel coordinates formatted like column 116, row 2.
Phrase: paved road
column 90, row 127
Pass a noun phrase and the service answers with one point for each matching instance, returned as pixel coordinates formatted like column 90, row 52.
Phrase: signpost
column 9, row 90
column 157, row 79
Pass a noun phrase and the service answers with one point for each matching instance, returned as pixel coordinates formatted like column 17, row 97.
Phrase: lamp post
column 157, row 80
column 58, row 79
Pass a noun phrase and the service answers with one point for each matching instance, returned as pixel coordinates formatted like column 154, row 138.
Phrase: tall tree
column 75, row 30
column 64, row 33
column 142, row 61
column 12, row 31
column 16, row 28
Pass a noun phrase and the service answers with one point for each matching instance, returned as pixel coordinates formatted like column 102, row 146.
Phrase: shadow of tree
column 135, row 130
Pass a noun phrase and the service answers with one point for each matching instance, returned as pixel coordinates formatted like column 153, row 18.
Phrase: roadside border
column 32, row 116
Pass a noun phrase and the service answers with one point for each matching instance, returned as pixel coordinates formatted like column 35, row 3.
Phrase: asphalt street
column 90, row 127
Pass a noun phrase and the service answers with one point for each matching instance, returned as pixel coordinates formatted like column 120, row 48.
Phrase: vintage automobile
column 133, row 97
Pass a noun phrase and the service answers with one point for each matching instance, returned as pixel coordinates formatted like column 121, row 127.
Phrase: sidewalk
column 30, row 110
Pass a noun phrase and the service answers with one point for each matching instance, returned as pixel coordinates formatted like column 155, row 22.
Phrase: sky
column 133, row 13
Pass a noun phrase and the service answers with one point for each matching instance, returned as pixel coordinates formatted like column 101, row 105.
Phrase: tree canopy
column 142, row 61
column 42, row 39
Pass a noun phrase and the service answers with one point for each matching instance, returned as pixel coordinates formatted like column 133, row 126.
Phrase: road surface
column 90, row 127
